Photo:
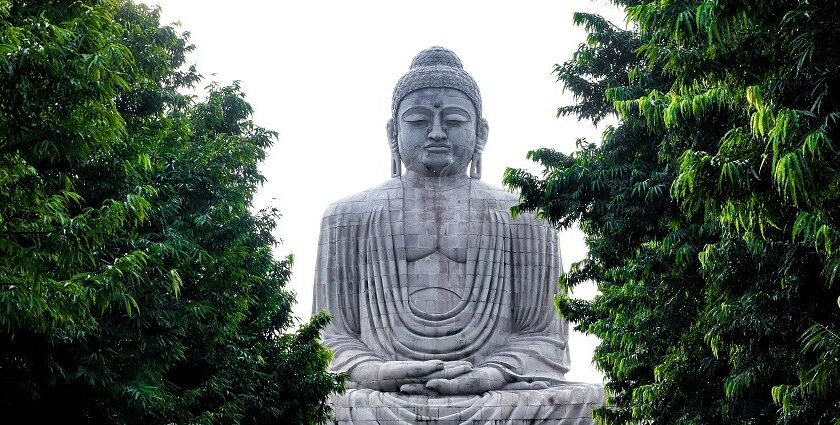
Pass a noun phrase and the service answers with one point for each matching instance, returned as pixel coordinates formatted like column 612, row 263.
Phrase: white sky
column 321, row 73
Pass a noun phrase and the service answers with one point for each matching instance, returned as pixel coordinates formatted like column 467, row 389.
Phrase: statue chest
column 436, row 222
column 435, row 225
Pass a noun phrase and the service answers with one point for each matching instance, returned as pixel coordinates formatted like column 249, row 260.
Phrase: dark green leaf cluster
column 710, row 210
column 136, row 283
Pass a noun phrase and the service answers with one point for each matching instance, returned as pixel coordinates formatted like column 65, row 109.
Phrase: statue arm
column 538, row 346
column 337, row 275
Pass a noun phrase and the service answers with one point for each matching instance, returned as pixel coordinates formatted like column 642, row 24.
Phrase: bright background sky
column 321, row 73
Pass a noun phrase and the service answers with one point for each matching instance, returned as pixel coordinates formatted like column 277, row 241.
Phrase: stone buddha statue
column 441, row 301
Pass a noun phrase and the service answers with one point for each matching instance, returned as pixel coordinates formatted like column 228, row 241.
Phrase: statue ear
column 482, row 131
column 396, row 165
column 391, row 129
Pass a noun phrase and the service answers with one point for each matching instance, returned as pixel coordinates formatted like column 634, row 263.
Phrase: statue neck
column 419, row 181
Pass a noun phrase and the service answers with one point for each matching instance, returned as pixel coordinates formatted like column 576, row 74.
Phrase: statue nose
column 437, row 133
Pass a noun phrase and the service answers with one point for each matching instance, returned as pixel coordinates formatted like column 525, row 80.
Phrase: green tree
column 136, row 284
column 709, row 210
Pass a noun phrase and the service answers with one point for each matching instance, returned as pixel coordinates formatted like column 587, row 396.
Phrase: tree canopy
column 710, row 209
column 137, row 284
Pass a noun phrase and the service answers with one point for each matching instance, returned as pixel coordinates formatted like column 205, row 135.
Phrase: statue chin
column 439, row 167
column 436, row 170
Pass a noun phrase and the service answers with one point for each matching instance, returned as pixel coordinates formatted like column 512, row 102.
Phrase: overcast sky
column 321, row 73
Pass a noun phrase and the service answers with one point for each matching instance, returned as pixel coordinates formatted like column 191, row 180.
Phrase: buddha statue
column 442, row 303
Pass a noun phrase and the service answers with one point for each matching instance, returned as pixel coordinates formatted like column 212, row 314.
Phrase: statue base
column 566, row 404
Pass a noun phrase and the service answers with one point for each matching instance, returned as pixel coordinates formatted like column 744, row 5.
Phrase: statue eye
column 454, row 120
column 417, row 120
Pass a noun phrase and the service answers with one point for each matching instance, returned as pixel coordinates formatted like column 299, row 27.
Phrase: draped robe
column 505, row 318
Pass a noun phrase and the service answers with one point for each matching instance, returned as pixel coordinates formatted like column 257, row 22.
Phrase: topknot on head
column 436, row 67
column 437, row 56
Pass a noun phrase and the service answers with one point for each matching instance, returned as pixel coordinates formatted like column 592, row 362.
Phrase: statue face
column 436, row 132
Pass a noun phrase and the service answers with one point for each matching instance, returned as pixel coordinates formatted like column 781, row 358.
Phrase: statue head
column 436, row 126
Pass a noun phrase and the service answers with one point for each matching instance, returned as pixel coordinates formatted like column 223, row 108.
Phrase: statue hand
column 450, row 370
column 477, row 381
column 522, row 385
column 392, row 375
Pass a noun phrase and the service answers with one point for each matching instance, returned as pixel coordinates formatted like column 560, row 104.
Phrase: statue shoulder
column 365, row 201
column 489, row 192
column 503, row 200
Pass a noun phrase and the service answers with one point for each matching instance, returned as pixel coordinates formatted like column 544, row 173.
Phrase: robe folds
column 505, row 317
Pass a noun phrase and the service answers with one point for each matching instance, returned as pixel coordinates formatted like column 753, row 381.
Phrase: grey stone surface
column 442, row 302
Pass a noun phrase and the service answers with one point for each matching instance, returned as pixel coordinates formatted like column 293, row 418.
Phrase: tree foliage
column 710, row 210
column 136, row 283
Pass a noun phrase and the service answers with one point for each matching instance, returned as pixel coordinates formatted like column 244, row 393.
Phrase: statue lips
column 437, row 147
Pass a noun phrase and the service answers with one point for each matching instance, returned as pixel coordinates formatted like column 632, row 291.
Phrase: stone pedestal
column 569, row 404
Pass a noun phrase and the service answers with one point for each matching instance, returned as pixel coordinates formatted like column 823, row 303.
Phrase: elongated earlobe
column 475, row 166
column 482, row 132
column 396, row 166
column 396, row 162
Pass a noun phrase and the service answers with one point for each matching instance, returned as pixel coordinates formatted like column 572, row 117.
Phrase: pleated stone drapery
column 504, row 319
